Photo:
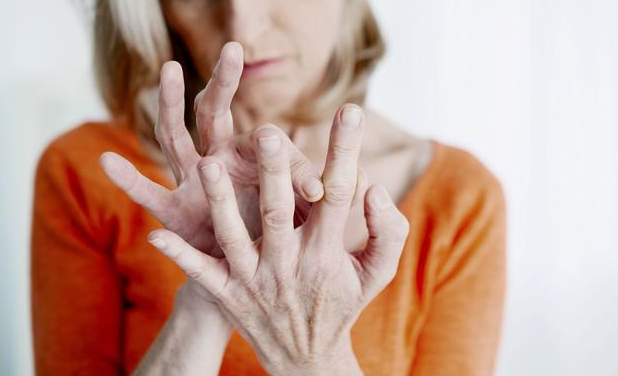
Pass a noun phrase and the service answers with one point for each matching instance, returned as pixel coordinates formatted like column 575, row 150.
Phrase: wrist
column 195, row 308
column 192, row 342
column 343, row 362
column 340, row 360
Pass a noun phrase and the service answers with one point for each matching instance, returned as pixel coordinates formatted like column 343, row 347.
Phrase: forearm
column 192, row 342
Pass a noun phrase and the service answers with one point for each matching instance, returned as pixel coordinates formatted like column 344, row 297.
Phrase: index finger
column 212, row 105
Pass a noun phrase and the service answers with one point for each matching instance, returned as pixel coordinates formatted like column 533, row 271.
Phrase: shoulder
column 447, row 181
column 79, row 148
column 456, row 207
column 459, row 173
column 69, row 170
column 458, row 188
column 455, row 173
column 83, row 144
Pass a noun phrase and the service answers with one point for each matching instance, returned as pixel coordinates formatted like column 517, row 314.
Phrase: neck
column 309, row 138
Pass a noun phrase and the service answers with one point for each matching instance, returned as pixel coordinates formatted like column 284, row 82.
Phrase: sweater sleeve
column 75, row 291
column 461, row 333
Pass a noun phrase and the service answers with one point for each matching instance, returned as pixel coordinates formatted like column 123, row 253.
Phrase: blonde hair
column 132, row 41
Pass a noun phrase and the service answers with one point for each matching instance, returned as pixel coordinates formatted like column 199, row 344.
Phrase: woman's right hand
column 184, row 210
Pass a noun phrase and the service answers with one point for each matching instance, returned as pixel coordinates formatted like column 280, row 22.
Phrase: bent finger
column 229, row 228
column 306, row 179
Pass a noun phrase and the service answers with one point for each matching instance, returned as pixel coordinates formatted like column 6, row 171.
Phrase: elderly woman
column 279, row 259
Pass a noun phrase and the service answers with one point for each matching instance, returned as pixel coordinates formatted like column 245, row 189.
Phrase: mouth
column 260, row 68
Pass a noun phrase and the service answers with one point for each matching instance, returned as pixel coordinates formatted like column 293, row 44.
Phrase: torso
column 451, row 188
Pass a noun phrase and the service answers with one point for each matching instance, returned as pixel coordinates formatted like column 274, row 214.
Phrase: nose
column 248, row 20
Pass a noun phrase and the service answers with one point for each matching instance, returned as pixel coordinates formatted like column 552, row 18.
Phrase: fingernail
column 269, row 145
column 211, row 172
column 351, row 117
column 381, row 199
column 313, row 188
column 157, row 242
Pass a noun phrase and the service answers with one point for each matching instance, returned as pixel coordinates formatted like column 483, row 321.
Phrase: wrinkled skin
column 184, row 210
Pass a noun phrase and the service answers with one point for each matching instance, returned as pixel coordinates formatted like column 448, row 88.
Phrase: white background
column 530, row 86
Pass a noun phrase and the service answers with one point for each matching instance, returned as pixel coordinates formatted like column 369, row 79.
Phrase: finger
column 229, row 228
column 153, row 197
column 170, row 130
column 212, row 105
column 276, row 192
column 388, row 230
column 208, row 271
column 306, row 179
column 340, row 173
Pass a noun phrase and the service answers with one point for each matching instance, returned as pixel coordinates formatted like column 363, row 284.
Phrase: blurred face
column 287, row 44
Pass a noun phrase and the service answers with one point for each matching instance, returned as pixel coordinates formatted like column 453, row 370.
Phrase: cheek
column 315, row 27
column 312, row 27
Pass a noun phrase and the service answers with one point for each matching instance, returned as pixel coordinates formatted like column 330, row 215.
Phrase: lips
column 257, row 68
column 258, row 63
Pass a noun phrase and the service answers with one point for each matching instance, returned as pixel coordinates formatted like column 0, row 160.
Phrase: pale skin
column 207, row 306
column 295, row 293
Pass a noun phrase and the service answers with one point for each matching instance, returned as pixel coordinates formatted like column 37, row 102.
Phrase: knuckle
column 160, row 133
column 401, row 228
column 167, row 134
column 389, row 274
column 209, row 115
column 386, row 273
column 228, row 240
column 219, row 77
column 338, row 193
column 215, row 196
column 343, row 149
column 198, row 99
column 273, row 167
column 277, row 216
column 215, row 77
column 300, row 167
column 195, row 274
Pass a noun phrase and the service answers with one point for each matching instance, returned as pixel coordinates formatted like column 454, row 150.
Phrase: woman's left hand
column 294, row 294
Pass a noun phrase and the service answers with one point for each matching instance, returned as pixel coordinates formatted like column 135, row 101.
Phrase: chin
column 267, row 98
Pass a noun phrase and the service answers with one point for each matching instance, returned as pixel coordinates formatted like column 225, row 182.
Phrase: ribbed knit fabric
column 101, row 292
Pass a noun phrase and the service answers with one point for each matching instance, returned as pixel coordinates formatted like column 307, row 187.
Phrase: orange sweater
column 101, row 293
